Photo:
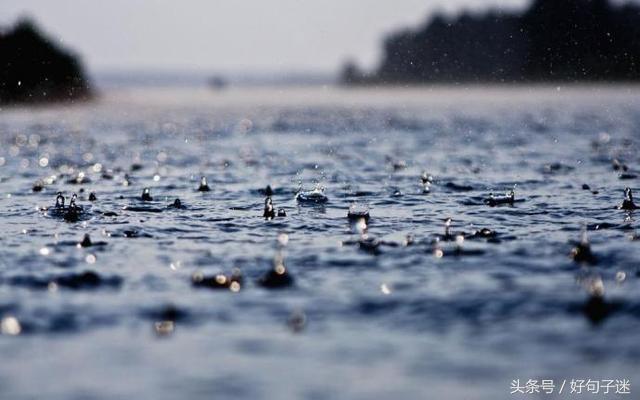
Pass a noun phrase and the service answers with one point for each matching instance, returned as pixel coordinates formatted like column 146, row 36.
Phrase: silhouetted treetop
column 33, row 69
column 553, row 40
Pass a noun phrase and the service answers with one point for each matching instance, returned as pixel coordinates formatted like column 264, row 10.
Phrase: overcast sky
column 228, row 35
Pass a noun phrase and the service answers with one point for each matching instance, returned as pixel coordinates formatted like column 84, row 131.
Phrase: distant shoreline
column 36, row 69
column 551, row 41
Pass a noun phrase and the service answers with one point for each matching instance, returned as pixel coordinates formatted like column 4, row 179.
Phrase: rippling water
column 122, row 319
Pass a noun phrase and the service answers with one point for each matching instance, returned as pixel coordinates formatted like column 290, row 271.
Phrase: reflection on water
column 374, row 243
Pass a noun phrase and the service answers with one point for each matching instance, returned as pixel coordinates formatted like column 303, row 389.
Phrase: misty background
column 187, row 42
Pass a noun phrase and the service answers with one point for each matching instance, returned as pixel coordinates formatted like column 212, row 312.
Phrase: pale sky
column 229, row 35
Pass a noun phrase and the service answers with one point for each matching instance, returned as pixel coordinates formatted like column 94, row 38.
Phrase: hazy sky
column 228, row 35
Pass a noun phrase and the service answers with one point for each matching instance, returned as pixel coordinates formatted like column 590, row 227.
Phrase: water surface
column 398, row 322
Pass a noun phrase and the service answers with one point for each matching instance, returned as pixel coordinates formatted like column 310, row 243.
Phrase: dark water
column 396, row 321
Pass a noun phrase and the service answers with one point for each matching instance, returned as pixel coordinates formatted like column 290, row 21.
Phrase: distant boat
column 217, row 83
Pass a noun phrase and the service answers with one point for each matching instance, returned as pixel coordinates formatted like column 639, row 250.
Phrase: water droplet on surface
column 595, row 287
column 361, row 226
column 164, row 328
column 10, row 326
column 234, row 286
column 283, row 239
column 385, row 289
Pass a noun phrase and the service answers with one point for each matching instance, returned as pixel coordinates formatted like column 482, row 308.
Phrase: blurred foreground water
column 396, row 315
